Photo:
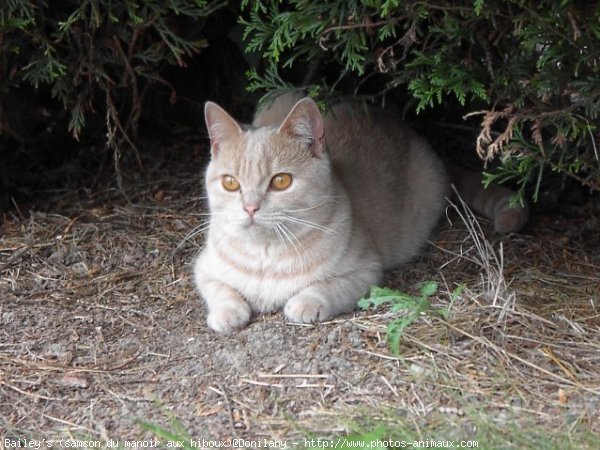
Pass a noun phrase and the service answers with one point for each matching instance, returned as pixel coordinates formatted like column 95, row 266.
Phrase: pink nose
column 251, row 208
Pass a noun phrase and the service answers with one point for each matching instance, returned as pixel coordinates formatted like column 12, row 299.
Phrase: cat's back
column 396, row 184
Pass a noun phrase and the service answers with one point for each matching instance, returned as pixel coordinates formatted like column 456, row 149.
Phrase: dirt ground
column 100, row 328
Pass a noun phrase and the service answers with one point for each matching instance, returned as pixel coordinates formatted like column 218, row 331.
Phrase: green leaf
column 429, row 288
column 409, row 306
column 364, row 303
column 478, row 6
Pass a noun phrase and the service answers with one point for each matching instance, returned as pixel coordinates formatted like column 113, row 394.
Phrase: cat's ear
column 305, row 123
column 221, row 126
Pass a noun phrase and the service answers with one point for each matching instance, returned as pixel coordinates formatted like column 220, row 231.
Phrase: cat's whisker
column 212, row 213
column 192, row 234
column 204, row 226
column 280, row 232
column 201, row 228
column 309, row 224
column 220, row 233
column 280, row 236
column 311, row 208
column 291, row 237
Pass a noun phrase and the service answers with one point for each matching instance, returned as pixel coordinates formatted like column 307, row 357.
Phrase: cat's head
column 268, row 179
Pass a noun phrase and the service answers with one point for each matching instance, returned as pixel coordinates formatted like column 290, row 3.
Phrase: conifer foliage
column 96, row 56
column 529, row 69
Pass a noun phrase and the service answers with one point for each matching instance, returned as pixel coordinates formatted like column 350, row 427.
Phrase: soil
column 101, row 329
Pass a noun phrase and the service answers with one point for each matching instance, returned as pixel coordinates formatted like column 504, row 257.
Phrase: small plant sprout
column 410, row 306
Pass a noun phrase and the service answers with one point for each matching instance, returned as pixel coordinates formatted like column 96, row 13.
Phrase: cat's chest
column 268, row 274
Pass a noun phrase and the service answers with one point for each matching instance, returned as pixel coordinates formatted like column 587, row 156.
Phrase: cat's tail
column 494, row 202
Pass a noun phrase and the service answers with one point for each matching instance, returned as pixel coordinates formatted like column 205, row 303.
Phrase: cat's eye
column 230, row 183
column 281, row 181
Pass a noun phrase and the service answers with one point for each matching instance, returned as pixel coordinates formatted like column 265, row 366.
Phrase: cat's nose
column 251, row 208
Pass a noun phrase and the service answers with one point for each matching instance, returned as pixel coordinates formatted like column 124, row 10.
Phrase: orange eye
column 281, row 181
column 230, row 183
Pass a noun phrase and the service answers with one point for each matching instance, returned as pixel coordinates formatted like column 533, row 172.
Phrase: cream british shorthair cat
column 307, row 211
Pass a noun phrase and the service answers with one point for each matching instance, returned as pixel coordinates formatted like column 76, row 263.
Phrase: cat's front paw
column 307, row 309
column 229, row 317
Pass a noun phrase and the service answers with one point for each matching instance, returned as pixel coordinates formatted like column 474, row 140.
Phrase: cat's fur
column 365, row 194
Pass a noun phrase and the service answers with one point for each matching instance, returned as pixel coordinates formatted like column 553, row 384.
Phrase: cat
column 307, row 211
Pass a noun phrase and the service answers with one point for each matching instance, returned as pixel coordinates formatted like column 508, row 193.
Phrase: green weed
column 412, row 307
